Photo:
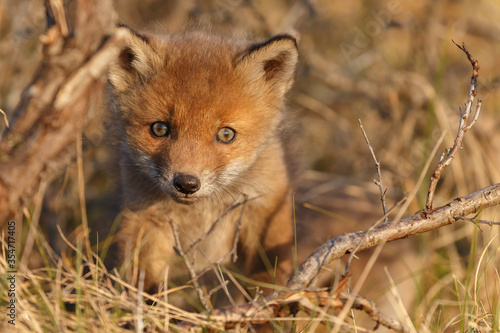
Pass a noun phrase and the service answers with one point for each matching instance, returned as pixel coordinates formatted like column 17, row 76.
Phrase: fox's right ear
column 137, row 61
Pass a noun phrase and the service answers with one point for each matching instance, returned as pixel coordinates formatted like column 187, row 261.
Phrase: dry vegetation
column 389, row 63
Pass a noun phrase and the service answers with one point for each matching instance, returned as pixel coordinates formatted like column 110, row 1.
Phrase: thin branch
column 446, row 160
column 476, row 221
column 235, row 204
column 364, row 304
column 190, row 268
column 378, row 182
column 405, row 203
column 368, row 232
column 58, row 10
column 476, row 115
column 216, row 267
column 5, row 119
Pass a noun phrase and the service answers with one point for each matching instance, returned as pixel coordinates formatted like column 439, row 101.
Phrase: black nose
column 186, row 184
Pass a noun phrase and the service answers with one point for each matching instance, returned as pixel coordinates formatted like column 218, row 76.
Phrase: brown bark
column 65, row 92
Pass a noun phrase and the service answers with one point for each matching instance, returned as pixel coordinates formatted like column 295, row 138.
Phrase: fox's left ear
column 272, row 63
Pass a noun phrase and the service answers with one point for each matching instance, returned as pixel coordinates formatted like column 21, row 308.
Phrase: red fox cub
column 201, row 120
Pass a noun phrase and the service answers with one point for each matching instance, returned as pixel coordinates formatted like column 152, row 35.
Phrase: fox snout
column 184, row 188
column 186, row 184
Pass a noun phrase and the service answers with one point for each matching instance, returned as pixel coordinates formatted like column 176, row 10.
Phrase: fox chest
column 201, row 235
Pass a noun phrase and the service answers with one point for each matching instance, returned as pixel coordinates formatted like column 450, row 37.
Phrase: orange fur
column 196, row 84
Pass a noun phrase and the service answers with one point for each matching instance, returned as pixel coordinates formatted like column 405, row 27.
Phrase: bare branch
column 236, row 203
column 474, row 63
column 379, row 183
column 58, row 10
column 364, row 304
column 476, row 115
column 5, row 119
column 190, row 268
column 476, row 221
column 368, row 232
column 446, row 160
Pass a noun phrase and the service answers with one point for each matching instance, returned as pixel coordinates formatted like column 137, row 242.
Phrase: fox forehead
column 196, row 61
column 197, row 85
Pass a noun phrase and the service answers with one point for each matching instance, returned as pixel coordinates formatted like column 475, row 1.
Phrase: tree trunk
column 64, row 94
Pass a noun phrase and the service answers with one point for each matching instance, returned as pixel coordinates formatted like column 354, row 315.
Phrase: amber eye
column 226, row 135
column 160, row 129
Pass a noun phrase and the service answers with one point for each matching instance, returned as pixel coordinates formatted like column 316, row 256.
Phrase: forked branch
column 463, row 127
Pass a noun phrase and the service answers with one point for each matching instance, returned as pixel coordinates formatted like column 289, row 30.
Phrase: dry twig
column 476, row 221
column 190, row 268
column 463, row 127
column 236, row 203
column 5, row 119
column 368, row 232
column 378, row 182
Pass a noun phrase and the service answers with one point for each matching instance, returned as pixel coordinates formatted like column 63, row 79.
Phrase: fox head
column 196, row 109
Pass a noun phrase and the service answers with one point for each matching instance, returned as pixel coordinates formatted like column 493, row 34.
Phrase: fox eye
column 160, row 129
column 226, row 135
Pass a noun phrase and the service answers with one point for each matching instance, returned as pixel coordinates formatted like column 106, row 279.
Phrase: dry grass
column 78, row 294
column 405, row 81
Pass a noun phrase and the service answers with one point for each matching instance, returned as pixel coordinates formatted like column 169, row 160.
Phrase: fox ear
column 137, row 62
column 272, row 63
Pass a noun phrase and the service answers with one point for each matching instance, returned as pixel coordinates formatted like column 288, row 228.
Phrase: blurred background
column 391, row 64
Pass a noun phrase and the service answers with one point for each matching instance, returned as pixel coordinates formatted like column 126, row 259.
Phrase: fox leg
column 276, row 242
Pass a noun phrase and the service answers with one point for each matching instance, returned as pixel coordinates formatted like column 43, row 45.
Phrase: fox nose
column 186, row 184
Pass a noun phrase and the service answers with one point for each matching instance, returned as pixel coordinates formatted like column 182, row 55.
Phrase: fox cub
column 200, row 121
